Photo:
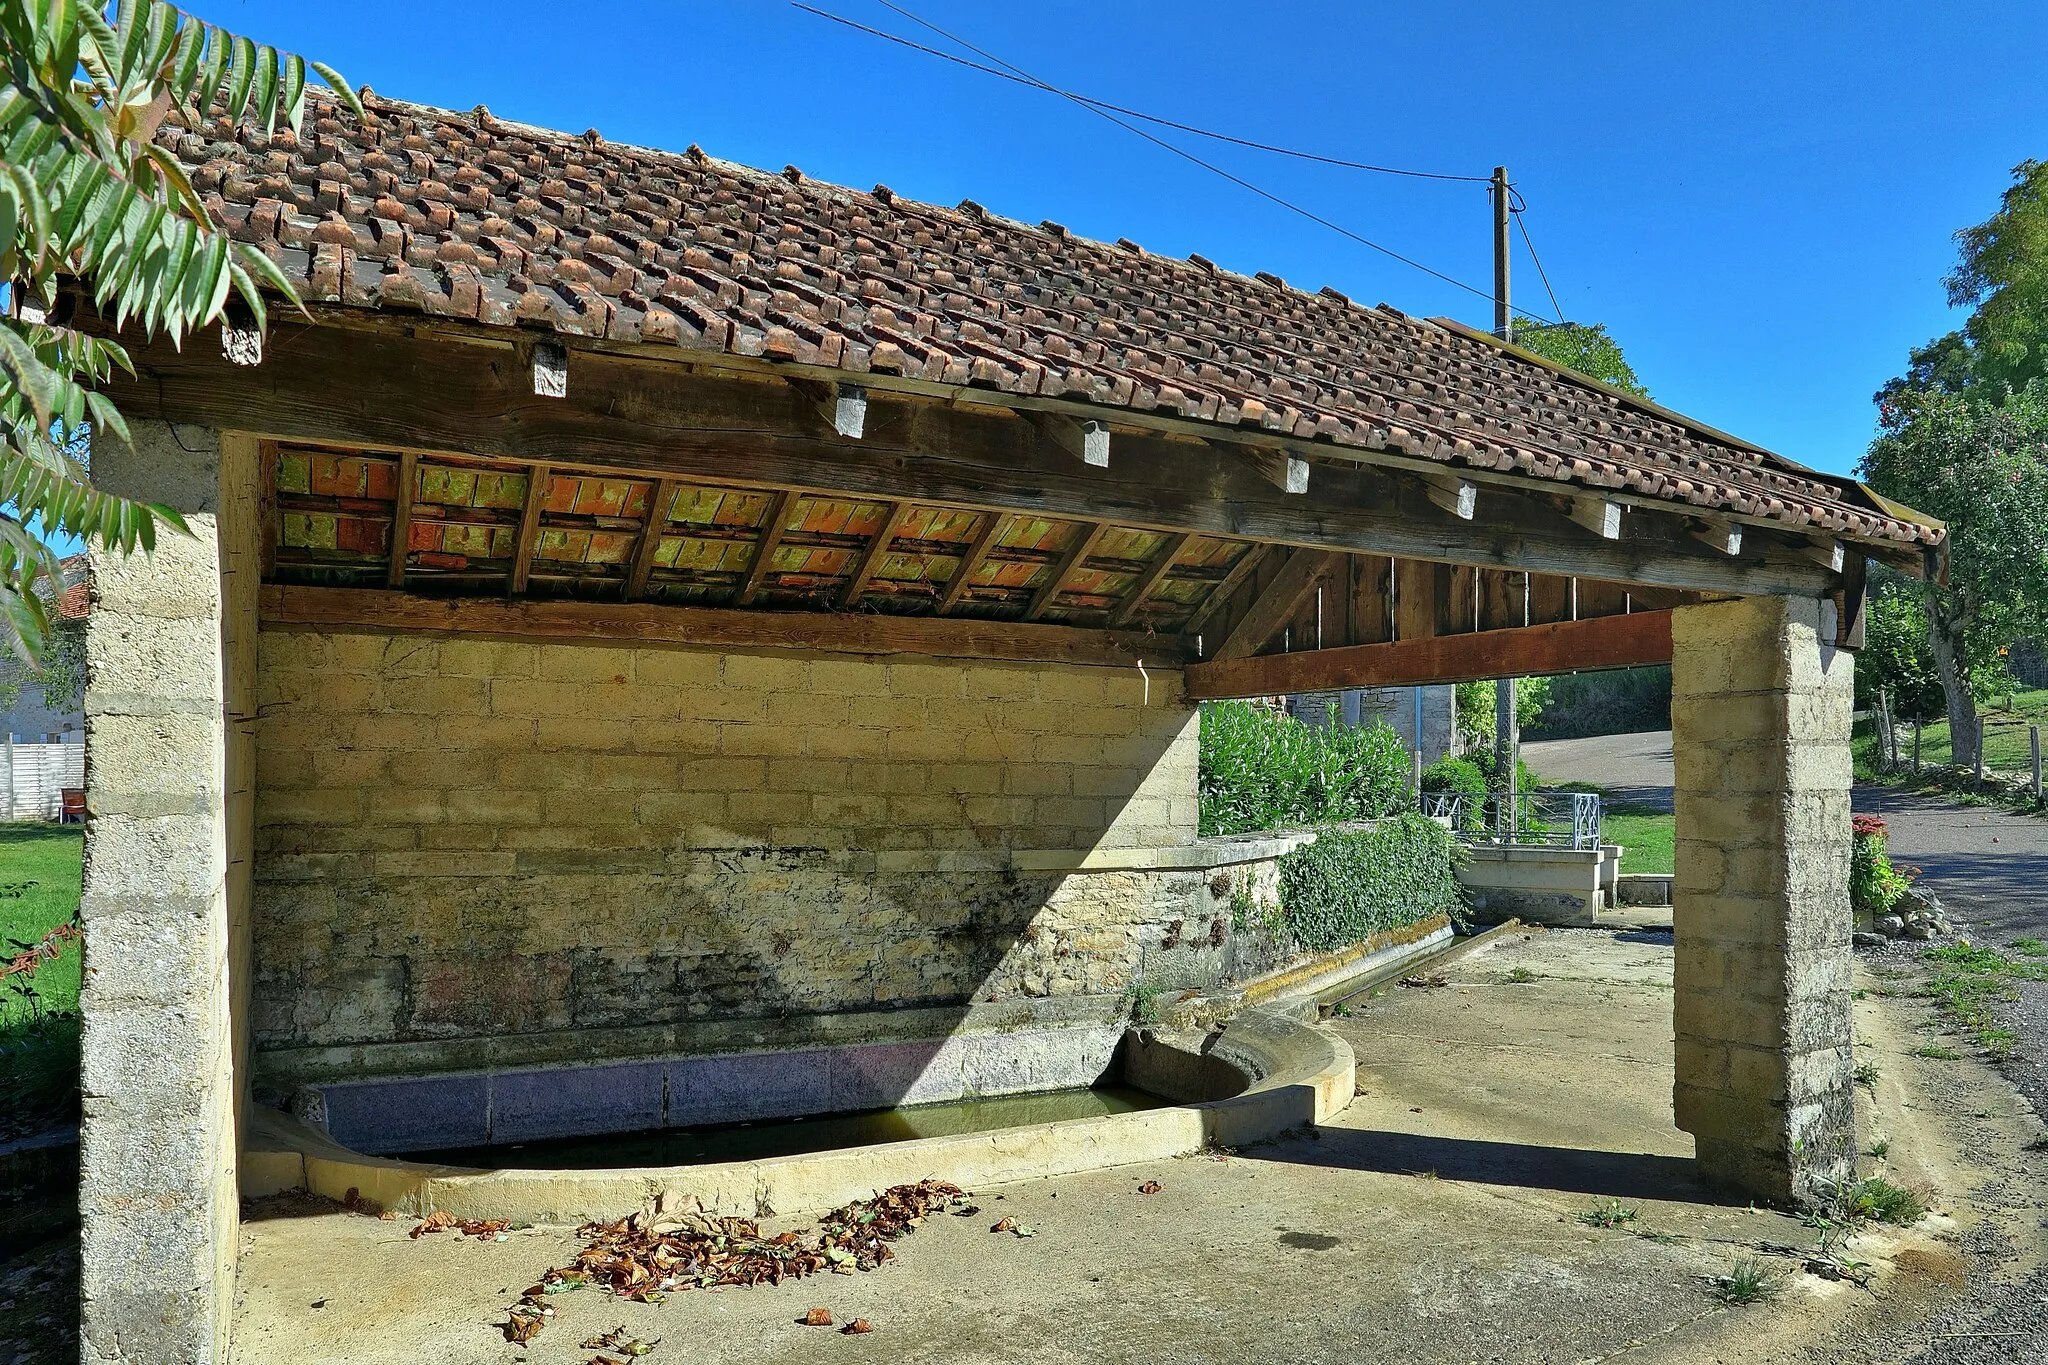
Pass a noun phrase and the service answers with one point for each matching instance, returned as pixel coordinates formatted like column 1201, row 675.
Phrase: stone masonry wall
column 463, row 839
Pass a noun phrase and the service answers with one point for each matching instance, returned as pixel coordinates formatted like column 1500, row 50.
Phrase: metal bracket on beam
column 1598, row 515
column 1722, row 534
column 1459, row 497
column 1288, row 473
column 1085, row 440
column 550, row 370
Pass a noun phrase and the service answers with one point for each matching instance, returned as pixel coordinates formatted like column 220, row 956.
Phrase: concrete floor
column 1434, row 1221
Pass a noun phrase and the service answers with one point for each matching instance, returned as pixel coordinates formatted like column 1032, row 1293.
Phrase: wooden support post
column 1218, row 600
column 1372, row 601
column 661, row 501
column 266, row 506
column 871, row 558
column 1550, row 598
column 984, row 540
column 537, row 480
column 1503, row 599
column 1421, row 599
column 1155, row 574
column 2034, row 743
column 1086, row 440
column 1916, row 748
column 1288, row 473
column 1980, row 751
column 1083, row 545
column 773, row 524
column 1271, row 608
column 401, row 518
column 1598, row 515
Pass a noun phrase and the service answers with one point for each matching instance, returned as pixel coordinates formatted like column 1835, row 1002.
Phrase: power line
column 1541, row 273
column 1027, row 78
column 1094, row 103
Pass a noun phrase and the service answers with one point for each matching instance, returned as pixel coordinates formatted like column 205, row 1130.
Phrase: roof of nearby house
column 465, row 216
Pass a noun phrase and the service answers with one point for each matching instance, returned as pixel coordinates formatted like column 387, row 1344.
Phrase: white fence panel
column 37, row 775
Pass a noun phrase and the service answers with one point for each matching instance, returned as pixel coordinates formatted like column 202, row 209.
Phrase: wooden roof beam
column 1272, row 607
column 1720, row 533
column 1642, row 637
column 537, row 480
column 1086, row 439
column 1218, row 597
column 661, row 501
column 1288, row 473
column 871, row 558
column 1082, row 546
column 401, row 517
column 1155, row 574
column 1601, row 516
column 1459, row 497
column 984, row 540
column 773, row 523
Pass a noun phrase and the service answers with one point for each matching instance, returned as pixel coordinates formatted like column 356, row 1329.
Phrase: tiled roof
column 465, row 216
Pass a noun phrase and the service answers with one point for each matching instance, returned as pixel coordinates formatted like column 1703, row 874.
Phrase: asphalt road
column 1990, row 869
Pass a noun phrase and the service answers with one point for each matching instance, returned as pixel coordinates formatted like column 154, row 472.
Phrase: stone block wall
column 470, row 840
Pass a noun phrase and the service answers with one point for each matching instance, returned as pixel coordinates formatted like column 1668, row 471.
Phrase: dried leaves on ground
column 441, row 1221
column 664, row 1249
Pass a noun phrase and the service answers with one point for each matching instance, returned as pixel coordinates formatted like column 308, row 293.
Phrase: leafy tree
column 1584, row 347
column 2002, row 275
column 1981, row 465
column 89, row 201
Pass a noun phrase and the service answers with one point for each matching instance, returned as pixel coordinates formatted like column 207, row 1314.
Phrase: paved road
column 1990, row 868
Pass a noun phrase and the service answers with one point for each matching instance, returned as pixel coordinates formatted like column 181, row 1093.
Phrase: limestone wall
column 469, row 840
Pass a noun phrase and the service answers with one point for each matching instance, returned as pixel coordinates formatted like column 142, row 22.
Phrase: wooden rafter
column 1271, row 608
column 537, row 480
column 871, row 558
column 1218, row 599
column 992, row 525
column 661, row 501
column 401, row 518
column 289, row 606
column 1083, row 545
column 774, row 524
column 1610, row 642
column 1155, row 574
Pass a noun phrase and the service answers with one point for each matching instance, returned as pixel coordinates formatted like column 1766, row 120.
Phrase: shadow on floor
column 1617, row 1175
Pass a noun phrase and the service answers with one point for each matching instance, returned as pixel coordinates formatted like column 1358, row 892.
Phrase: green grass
column 1968, row 979
column 39, row 872
column 2005, row 733
column 1645, row 838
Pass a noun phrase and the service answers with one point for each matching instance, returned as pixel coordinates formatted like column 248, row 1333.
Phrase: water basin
column 797, row 1136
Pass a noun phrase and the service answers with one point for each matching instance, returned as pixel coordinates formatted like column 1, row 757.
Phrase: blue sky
column 1758, row 200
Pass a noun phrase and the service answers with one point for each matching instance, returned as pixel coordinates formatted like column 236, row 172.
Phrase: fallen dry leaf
column 1006, row 1225
column 817, row 1317
column 857, row 1326
column 521, row 1328
column 1149, row 1187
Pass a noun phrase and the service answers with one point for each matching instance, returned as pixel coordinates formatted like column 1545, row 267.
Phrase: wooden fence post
column 1916, row 748
column 2034, row 743
column 1980, row 751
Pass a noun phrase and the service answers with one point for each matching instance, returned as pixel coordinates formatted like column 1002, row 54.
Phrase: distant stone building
column 1431, row 712
column 33, row 716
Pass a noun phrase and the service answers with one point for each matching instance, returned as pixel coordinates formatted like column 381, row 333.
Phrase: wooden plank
column 1210, row 610
column 537, row 481
column 1463, row 599
column 1421, row 600
column 1503, row 599
column 1078, row 550
column 871, row 558
column 1601, row 599
column 1372, row 599
column 401, row 518
column 1560, row 647
column 1852, row 603
column 1155, row 574
column 649, row 417
column 287, row 606
column 992, row 525
column 773, row 523
column 661, row 501
column 1550, row 598
column 270, row 523
column 1271, row 608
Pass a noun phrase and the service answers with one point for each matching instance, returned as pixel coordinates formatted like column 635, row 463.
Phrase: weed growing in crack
column 1609, row 1213
column 1746, row 1282
column 1938, row 1052
column 1968, row 979
column 1878, row 1149
column 1866, row 1076
column 1521, row 976
column 1875, row 1198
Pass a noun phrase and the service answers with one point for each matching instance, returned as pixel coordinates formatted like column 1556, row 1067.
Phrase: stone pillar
column 1760, row 713
column 157, row 1156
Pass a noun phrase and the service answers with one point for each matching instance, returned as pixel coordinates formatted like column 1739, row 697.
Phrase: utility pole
column 1507, row 737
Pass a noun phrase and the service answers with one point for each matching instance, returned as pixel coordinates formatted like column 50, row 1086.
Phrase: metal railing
column 1549, row 819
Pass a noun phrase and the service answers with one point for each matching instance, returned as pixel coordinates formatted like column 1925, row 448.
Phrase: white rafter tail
column 1288, row 473
column 1829, row 554
column 241, row 345
column 550, row 370
column 848, row 411
column 1087, row 441
column 1459, row 497
column 1724, row 535
column 1601, row 516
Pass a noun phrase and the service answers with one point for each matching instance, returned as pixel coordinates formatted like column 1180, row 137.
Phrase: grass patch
column 39, row 876
column 1880, row 1149
column 1645, row 837
column 1968, row 980
column 1938, row 1051
column 1879, row 1200
column 1866, row 1076
column 1608, row 1213
column 2005, row 751
column 1520, row 976
column 1746, row 1282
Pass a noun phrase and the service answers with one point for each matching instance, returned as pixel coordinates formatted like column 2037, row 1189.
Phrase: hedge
column 1261, row 770
column 1346, row 887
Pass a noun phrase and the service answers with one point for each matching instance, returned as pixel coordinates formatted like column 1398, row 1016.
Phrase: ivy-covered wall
column 1351, row 884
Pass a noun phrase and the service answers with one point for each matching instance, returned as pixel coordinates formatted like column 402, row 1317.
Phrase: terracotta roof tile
column 465, row 216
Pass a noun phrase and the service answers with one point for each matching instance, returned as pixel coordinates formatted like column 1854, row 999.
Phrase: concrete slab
column 1434, row 1221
